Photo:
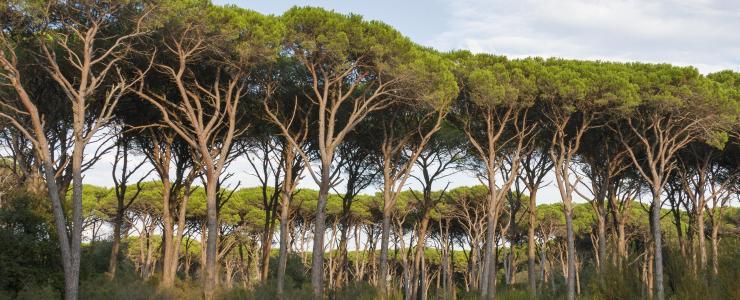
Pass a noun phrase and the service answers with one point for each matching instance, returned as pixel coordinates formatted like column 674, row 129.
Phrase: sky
column 700, row 33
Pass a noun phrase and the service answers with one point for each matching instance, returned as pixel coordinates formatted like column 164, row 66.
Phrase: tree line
column 317, row 96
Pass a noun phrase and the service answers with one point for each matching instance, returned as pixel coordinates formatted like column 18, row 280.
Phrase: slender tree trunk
column 543, row 264
column 168, row 278
column 715, row 244
column 419, row 255
column 211, row 239
column 287, row 192
column 571, row 280
column 531, row 243
column 72, row 287
column 386, row 228
column 174, row 249
column 342, row 251
column 115, row 246
column 622, row 241
column 70, row 279
column 488, row 278
column 658, row 255
column 601, row 232
column 701, row 235
column 317, row 263
column 679, row 231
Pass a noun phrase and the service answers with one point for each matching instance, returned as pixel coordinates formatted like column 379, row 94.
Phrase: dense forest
column 170, row 93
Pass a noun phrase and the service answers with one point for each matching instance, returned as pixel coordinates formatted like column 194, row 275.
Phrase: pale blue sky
column 702, row 33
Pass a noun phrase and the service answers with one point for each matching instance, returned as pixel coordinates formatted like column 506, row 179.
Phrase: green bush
column 38, row 292
column 29, row 255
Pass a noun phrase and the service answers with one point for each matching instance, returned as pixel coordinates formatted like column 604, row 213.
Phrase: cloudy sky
column 701, row 33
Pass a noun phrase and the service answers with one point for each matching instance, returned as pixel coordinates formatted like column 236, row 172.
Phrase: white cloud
column 702, row 33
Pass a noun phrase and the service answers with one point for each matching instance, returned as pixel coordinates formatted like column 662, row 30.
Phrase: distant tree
column 124, row 145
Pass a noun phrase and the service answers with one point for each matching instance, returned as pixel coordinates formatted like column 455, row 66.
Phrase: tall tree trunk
column 70, row 279
column 266, row 244
column 571, row 254
column 285, row 196
column 211, row 239
column 418, row 285
column 385, row 233
column 317, row 263
column 601, row 233
column 72, row 286
column 531, row 244
column 621, row 241
column 488, row 278
column 700, row 233
column 657, row 240
column 168, row 278
column 715, row 243
column 115, row 246
column 342, row 251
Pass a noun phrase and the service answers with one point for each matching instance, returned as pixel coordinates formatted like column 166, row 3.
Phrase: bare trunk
column 658, row 255
column 70, row 279
column 317, row 263
column 531, row 244
column 72, row 285
column 115, row 246
column 571, row 254
column 488, row 278
column 212, row 224
column 284, row 214
column 715, row 245
column 701, row 235
column 383, row 276
column 622, row 241
column 269, row 230
column 168, row 278
column 601, row 233
column 419, row 272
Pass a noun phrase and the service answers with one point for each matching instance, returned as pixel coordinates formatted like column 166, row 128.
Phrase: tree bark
column 385, row 233
column 116, row 244
column 531, row 244
column 657, row 242
column 571, row 279
column 212, row 225
column 317, row 263
column 285, row 196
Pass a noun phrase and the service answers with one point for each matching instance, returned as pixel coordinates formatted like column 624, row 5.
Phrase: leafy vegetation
column 173, row 92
